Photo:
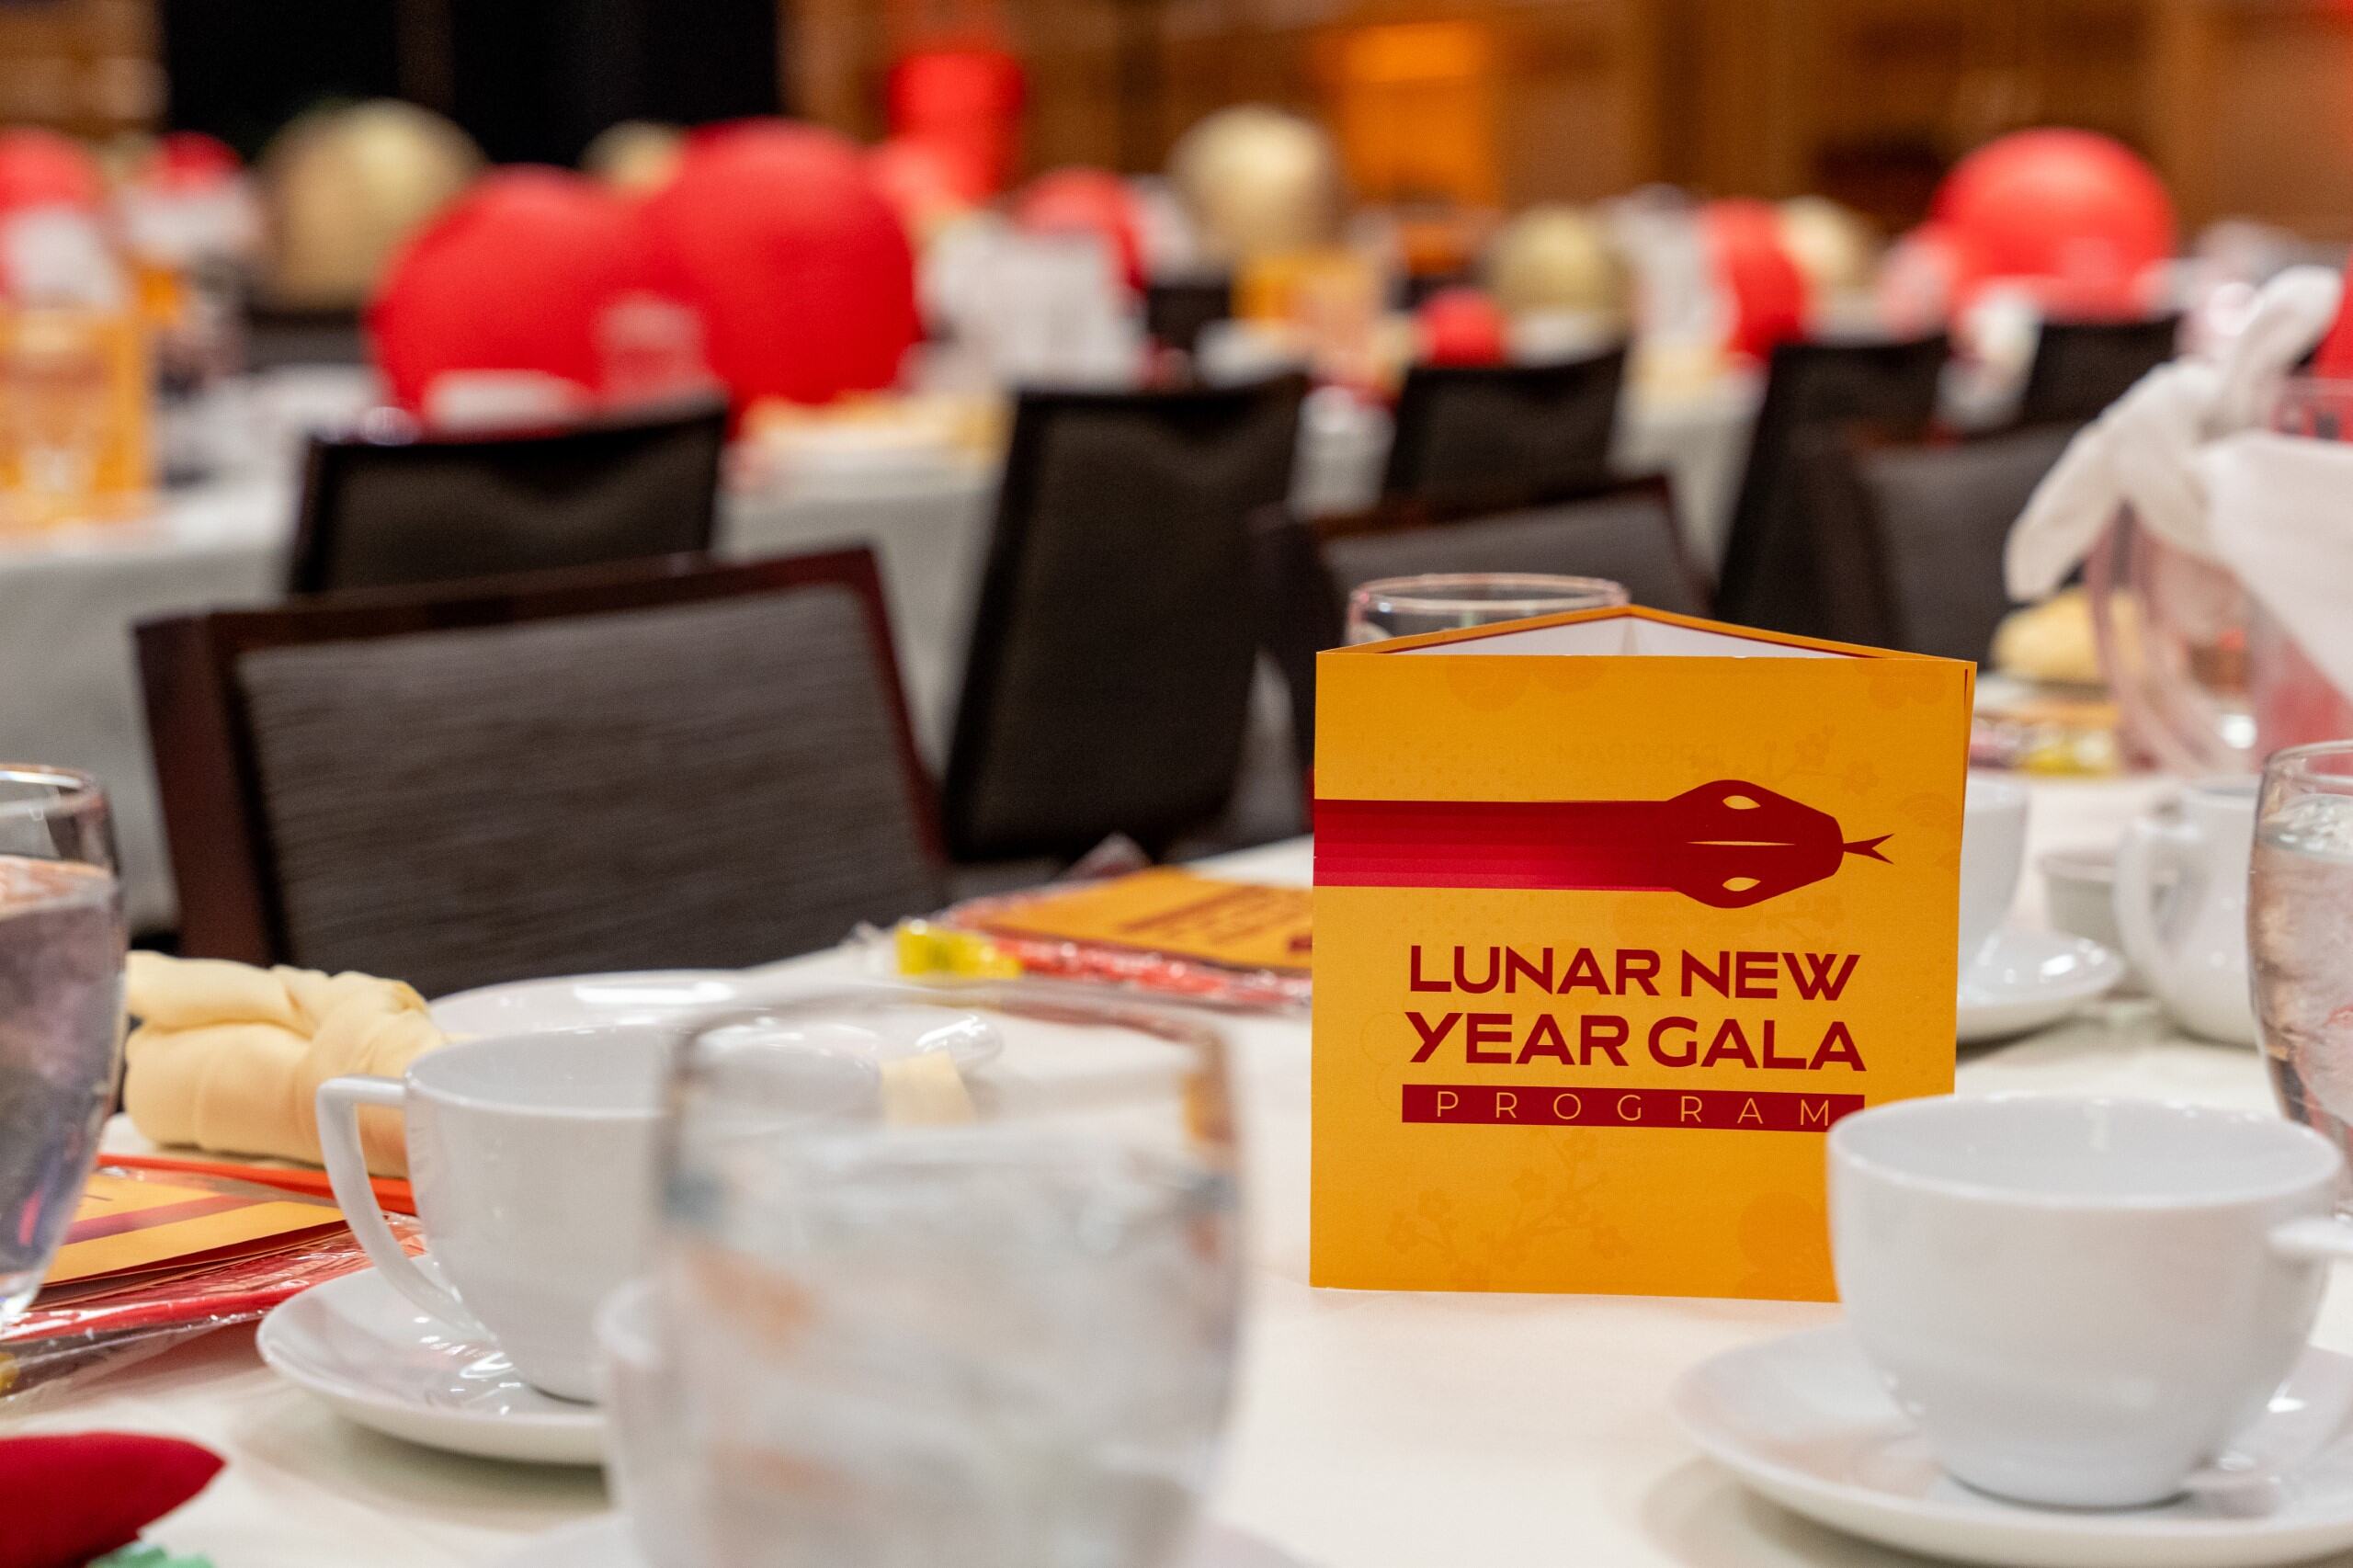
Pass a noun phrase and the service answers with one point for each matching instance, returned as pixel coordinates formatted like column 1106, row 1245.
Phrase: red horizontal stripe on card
column 1706, row 1110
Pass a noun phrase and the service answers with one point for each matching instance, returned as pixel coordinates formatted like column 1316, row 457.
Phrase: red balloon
column 970, row 100
column 1087, row 201
column 1459, row 326
column 2080, row 210
column 516, row 274
column 41, row 168
column 1760, row 279
column 804, row 278
column 1925, row 276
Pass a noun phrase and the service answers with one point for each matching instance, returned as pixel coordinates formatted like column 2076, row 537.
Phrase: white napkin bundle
column 2184, row 449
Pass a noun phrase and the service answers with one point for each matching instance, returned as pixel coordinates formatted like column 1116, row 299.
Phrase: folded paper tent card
column 1615, row 913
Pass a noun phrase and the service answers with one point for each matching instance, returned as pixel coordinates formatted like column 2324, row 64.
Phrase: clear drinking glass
column 61, row 1009
column 1447, row 601
column 979, row 1308
column 2299, row 933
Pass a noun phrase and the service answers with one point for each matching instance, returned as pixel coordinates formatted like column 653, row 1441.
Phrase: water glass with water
column 2299, row 933
column 983, row 1313
column 61, row 1009
column 1449, row 601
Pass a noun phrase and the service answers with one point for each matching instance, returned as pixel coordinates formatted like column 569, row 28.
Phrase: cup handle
column 340, row 1101
column 2147, row 844
column 2316, row 1238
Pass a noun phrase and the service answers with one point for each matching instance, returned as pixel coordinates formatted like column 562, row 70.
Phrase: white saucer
column 358, row 1343
column 2027, row 979
column 604, row 1542
column 1804, row 1420
column 672, row 995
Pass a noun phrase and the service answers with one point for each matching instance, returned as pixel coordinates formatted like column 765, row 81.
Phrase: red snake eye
column 1739, row 885
column 1740, row 802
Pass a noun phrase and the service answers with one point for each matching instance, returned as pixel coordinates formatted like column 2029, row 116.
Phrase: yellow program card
column 1615, row 913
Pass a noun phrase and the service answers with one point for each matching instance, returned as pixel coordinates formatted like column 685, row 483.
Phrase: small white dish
column 1804, row 1421
column 674, row 995
column 2023, row 980
column 358, row 1343
column 606, row 1541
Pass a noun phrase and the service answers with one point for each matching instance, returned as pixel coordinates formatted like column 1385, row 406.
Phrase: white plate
column 358, row 1343
column 671, row 996
column 605, row 1542
column 2025, row 979
column 1804, row 1421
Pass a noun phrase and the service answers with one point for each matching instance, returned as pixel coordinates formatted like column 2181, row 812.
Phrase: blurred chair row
column 455, row 773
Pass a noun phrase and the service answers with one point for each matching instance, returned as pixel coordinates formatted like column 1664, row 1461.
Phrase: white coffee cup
column 1993, row 849
column 533, row 1158
column 2194, row 959
column 2080, row 1302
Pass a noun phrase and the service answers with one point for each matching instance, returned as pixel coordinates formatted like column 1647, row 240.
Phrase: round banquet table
column 1372, row 1430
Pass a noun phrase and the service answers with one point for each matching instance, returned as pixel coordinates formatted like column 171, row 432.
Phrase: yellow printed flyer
column 1615, row 913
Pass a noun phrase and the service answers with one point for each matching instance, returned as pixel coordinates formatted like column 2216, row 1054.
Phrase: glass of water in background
column 1447, row 601
column 2299, row 933
column 61, row 1009
column 983, row 1313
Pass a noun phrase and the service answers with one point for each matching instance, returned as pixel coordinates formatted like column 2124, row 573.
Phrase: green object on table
column 140, row 1556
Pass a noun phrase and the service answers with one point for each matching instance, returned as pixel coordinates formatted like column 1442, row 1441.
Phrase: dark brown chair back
column 1624, row 530
column 672, row 765
column 1108, row 681
column 1176, row 310
column 1916, row 530
column 1771, row 576
column 2081, row 367
column 1496, row 434
column 438, row 509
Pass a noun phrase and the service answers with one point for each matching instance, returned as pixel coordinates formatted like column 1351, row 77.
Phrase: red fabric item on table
column 1760, row 279
column 1087, row 201
column 514, row 274
column 42, row 168
column 1459, row 326
column 803, row 275
column 72, row 1497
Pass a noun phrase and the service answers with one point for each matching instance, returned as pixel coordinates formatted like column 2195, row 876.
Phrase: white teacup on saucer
column 2080, row 1302
column 1805, row 1420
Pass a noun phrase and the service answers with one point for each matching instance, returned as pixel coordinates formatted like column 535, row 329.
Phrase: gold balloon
column 1834, row 247
column 1257, row 180
column 636, row 155
column 344, row 188
column 1556, row 258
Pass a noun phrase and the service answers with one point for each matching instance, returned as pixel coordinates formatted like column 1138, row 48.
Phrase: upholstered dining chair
column 1178, row 310
column 1473, row 434
column 1108, row 686
column 1914, row 531
column 2081, row 367
column 1305, row 569
column 1772, row 576
column 402, row 512
column 671, row 764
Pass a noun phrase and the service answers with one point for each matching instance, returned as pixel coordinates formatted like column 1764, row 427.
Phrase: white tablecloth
column 1372, row 1430
column 69, row 688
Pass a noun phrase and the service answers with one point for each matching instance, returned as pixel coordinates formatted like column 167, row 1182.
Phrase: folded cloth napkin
column 2281, row 525
column 67, row 1499
column 2143, row 450
column 227, row 1057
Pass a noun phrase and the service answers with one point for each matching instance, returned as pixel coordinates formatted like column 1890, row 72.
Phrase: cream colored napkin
column 228, row 1058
